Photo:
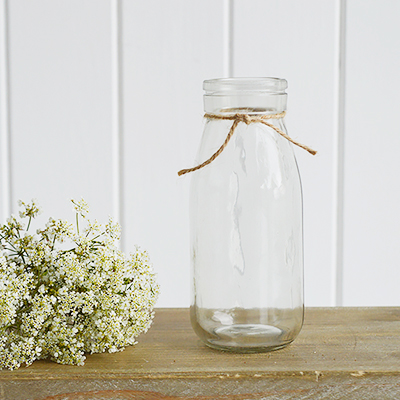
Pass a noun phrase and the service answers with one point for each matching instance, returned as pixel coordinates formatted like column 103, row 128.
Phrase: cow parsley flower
column 62, row 302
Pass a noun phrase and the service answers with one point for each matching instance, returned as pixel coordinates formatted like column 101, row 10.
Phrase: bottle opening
column 229, row 85
column 245, row 95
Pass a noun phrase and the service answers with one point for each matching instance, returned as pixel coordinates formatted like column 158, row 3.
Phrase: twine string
column 247, row 119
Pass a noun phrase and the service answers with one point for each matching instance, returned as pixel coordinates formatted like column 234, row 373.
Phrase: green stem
column 77, row 223
column 54, row 241
column 100, row 234
column 29, row 223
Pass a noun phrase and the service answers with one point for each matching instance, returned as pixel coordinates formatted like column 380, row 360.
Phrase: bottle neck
column 248, row 104
column 245, row 95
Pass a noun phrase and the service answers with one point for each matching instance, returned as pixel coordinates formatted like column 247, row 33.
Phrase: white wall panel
column 295, row 40
column 4, row 114
column 3, row 165
column 372, row 162
column 170, row 47
column 82, row 77
column 60, row 84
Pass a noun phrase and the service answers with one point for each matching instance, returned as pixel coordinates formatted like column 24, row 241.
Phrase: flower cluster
column 62, row 301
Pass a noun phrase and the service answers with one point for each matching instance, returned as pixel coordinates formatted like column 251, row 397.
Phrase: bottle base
column 247, row 338
column 242, row 330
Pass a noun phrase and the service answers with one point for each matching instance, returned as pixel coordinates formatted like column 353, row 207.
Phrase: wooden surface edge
column 341, row 341
column 310, row 374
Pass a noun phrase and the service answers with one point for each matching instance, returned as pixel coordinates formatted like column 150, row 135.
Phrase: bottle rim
column 259, row 85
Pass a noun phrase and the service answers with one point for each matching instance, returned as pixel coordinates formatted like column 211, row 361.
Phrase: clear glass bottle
column 246, row 224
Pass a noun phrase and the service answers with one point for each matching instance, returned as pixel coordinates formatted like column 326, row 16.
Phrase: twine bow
column 247, row 119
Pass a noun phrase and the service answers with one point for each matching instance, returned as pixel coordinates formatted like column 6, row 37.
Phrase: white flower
column 81, row 207
column 113, row 229
column 59, row 303
column 31, row 210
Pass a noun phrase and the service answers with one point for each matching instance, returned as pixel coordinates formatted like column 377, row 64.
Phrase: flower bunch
column 66, row 291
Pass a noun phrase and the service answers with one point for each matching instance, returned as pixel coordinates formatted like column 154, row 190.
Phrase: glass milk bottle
column 246, row 220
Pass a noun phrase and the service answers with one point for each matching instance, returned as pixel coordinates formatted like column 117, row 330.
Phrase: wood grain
column 340, row 350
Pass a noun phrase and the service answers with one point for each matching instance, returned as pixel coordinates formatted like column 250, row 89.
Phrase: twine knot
column 243, row 118
column 247, row 119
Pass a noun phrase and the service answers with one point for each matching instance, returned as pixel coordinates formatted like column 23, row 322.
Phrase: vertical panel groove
column 338, row 172
column 6, row 189
column 228, row 38
column 117, row 117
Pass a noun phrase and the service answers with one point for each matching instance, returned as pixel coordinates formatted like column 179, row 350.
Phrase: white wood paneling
column 338, row 155
column 105, row 102
column 372, row 162
column 60, row 84
column 295, row 40
column 170, row 47
column 5, row 170
column 117, row 115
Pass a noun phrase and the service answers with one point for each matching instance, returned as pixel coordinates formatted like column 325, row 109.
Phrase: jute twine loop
column 247, row 119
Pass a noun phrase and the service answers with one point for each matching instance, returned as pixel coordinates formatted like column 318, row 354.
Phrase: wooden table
column 341, row 353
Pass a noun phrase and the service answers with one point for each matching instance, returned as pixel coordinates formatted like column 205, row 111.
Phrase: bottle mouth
column 229, row 86
column 245, row 95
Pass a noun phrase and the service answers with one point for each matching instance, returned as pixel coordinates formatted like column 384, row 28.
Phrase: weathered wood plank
column 340, row 350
